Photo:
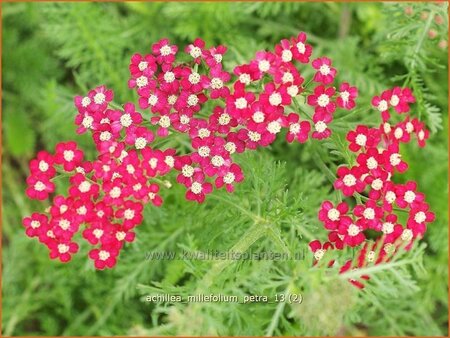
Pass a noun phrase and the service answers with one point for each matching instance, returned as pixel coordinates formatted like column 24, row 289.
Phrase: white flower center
column 390, row 197
column 245, row 78
column 152, row 100
column 409, row 127
column 287, row 77
column 264, row 65
column 195, row 52
column 39, row 186
column 105, row 136
column 169, row 160
column 184, row 119
column 217, row 161
column 43, row 166
column 196, row 188
column 420, row 217
column 224, row 119
column 353, row 230
column 64, row 224
column 141, row 81
column 82, row 210
column 35, row 224
column 382, row 105
column 394, row 100
column 323, row 100
column 140, row 143
column 153, row 162
column 319, row 254
column 394, row 159
column 398, row 133
column 194, row 78
column 229, row 178
column 361, row 140
column 187, row 171
column 286, row 55
column 97, row 233
column 85, row 186
column 324, row 70
column 258, row 117
column 230, row 147
column 216, row 83
column 274, row 127
column 254, row 136
column 172, row 99
column 421, row 135
column 143, row 65
column 410, row 196
column 137, row 187
column 275, row 99
column 301, row 47
column 125, row 120
column 86, row 101
column 333, row 214
column 387, row 228
column 68, row 155
column 203, row 132
column 407, row 235
column 63, row 248
column 218, row 58
column 349, row 180
column 128, row 214
column 169, row 77
column 99, row 98
column 377, row 184
column 192, row 100
column 165, row 50
column 204, row 151
column 241, row 103
column 345, row 96
column 292, row 90
column 115, row 192
column 130, row 169
column 103, row 255
column 121, row 235
column 369, row 213
column 87, row 122
column 371, row 163
column 386, row 128
column 320, row 126
column 164, row 121
column 294, row 128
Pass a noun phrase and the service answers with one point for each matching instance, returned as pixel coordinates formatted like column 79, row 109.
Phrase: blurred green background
column 52, row 52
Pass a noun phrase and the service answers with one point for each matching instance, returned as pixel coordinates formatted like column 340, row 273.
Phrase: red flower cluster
column 378, row 159
column 106, row 196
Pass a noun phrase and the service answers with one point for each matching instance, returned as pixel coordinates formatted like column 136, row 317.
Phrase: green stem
column 276, row 316
column 275, row 235
column 254, row 233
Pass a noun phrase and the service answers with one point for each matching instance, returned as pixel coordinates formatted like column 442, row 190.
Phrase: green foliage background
column 52, row 52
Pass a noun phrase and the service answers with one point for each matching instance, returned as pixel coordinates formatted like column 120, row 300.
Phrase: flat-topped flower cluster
column 219, row 113
column 370, row 179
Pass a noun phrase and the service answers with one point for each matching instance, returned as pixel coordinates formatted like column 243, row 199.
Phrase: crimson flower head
column 301, row 51
column 347, row 96
column 321, row 99
column 325, row 73
column 349, row 180
column 195, row 50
